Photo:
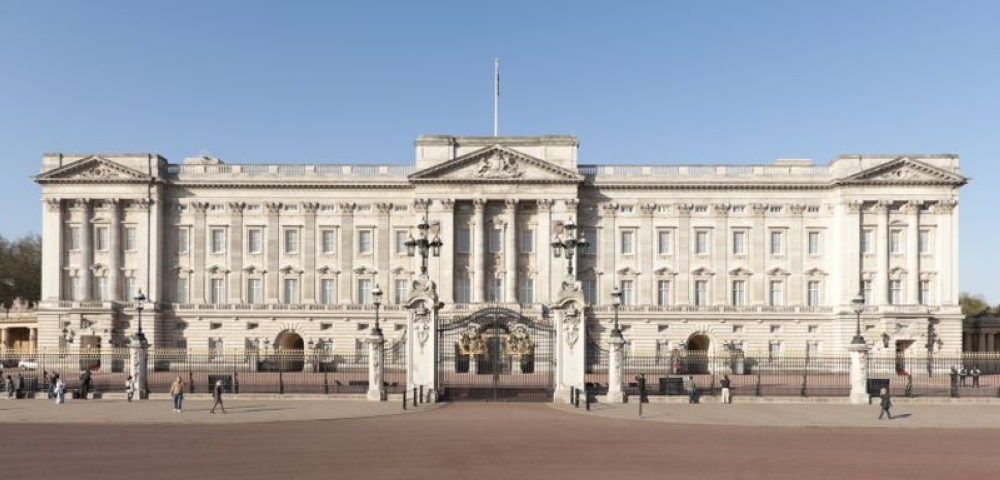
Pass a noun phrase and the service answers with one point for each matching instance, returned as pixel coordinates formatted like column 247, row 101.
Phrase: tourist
column 217, row 395
column 59, row 389
column 9, row 384
column 962, row 374
column 19, row 386
column 129, row 388
column 177, row 393
column 85, row 384
column 975, row 372
column 691, row 389
column 725, row 390
column 885, row 404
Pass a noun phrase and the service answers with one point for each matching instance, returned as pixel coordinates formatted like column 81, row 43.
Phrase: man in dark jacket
column 885, row 404
column 19, row 386
column 84, row 384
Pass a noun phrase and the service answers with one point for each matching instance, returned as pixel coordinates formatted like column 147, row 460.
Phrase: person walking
column 85, row 383
column 177, row 393
column 885, row 404
column 975, row 372
column 59, row 389
column 691, row 389
column 217, row 395
column 9, row 387
column 46, row 381
column 726, row 399
column 18, row 386
column 129, row 388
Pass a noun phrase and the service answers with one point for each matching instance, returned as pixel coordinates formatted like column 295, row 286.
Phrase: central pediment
column 903, row 171
column 93, row 169
column 496, row 164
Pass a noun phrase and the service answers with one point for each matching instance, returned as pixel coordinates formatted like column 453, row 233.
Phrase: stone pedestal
column 421, row 338
column 571, row 345
column 615, row 366
column 859, row 372
column 376, row 366
column 138, row 350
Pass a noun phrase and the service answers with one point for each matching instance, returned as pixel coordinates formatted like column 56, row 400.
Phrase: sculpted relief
column 498, row 165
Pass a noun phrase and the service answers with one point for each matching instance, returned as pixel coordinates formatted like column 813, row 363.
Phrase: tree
column 20, row 269
column 972, row 304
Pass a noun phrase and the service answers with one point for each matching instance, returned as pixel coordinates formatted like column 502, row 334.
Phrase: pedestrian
column 885, row 404
column 9, row 387
column 217, row 395
column 18, row 386
column 975, row 375
column 962, row 374
column 59, row 389
column 725, row 390
column 45, row 379
column 129, row 388
column 691, row 389
column 177, row 393
column 51, row 387
column 85, row 384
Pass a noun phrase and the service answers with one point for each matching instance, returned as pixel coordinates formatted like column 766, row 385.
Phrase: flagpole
column 496, row 96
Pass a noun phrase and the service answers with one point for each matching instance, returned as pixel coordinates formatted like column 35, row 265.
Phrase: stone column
column 797, row 251
column 851, row 255
column 543, row 251
column 115, row 252
column 272, row 249
column 198, row 254
column 446, row 273
column 308, row 251
column 422, row 345
column 345, row 252
column 510, row 251
column 859, row 373
column 86, row 250
column 53, row 281
column 683, row 253
column 376, row 366
column 757, row 290
column 881, row 287
column 946, row 253
column 912, row 289
column 647, row 252
column 479, row 245
column 235, row 251
column 33, row 340
column 571, row 345
column 384, row 249
column 615, row 370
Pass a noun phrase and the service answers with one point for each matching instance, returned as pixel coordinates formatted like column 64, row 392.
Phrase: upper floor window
column 101, row 238
column 739, row 242
column 182, row 240
column 401, row 291
column 665, row 242
column 591, row 236
column 812, row 296
column 701, row 242
column 776, row 293
column 925, row 292
column 494, row 290
column 866, row 291
column 813, row 240
column 464, row 240
column 400, row 244
column 364, row 291
column 495, row 240
column 867, row 241
column 255, row 293
column 291, row 291
column 701, row 292
column 895, row 241
column 628, row 242
column 329, row 241
column 74, row 238
column 924, row 241
column 589, row 290
column 130, row 241
column 254, row 240
column 364, row 242
column 181, row 293
column 739, row 292
column 895, row 292
column 217, row 240
column 628, row 295
column 663, row 292
column 777, row 242
column 527, row 241
column 291, row 240
column 462, row 290
column 218, row 291
column 328, row 291
column 526, row 292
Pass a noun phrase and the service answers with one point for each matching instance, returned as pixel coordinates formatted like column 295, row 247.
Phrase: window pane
column 739, row 243
column 776, row 247
column 495, row 239
column 291, row 240
column 364, row 291
column 626, row 288
column 814, row 243
column 181, row 295
column 74, row 238
column 401, row 237
column 527, row 241
column 464, row 240
column 328, row 292
column 130, row 238
column 329, row 241
column 663, row 292
column 253, row 240
column 664, row 242
column 364, row 241
column 701, row 243
column 401, row 291
column 527, row 291
column 291, row 291
column 591, row 236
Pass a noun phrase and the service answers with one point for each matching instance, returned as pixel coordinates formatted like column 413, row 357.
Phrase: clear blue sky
column 636, row 82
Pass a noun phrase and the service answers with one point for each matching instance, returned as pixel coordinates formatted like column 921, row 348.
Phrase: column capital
column 384, row 207
column 447, row 204
column 853, row 206
column 421, row 204
column 545, row 204
column 53, row 204
column 945, row 206
column 647, row 209
column 145, row 203
column 880, row 207
column 346, row 208
column 237, row 207
column 479, row 204
column 797, row 208
column 684, row 208
column 721, row 208
column 609, row 209
column 310, row 208
column 199, row 207
column 758, row 209
column 273, row 208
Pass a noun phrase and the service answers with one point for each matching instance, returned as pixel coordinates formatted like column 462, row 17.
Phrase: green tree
column 972, row 304
column 20, row 269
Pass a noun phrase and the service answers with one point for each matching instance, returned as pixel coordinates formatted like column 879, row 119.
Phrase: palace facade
column 707, row 257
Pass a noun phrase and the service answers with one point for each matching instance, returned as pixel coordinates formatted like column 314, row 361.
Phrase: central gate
column 498, row 355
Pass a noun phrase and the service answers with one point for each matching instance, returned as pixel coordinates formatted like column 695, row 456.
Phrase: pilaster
column 198, row 252
column 912, row 251
column 797, row 251
column 86, row 249
column 757, row 294
column 345, row 252
column 510, row 251
column 235, row 251
column 272, row 250
column 683, row 253
column 543, row 253
column 308, row 251
column 881, row 286
column 115, row 251
column 479, row 246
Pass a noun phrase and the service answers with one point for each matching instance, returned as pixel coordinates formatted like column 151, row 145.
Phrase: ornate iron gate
column 496, row 354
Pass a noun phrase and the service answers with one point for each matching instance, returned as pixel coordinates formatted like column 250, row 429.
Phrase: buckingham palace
column 699, row 258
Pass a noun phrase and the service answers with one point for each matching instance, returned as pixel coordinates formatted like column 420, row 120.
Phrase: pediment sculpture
column 498, row 165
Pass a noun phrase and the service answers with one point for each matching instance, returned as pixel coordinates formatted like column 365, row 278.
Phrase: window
column 812, row 298
column 218, row 294
column 775, row 329
column 867, row 241
column 401, row 291
column 291, row 240
column 664, row 242
column 329, row 239
column 895, row 241
column 895, row 292
column 101, row 289
column 866, row 291
column 291, row 291
column 181, row 293
column 701, row 292
column 776, row 292
column 101, row 238
column 74, row 238
column 739, row 292
column 739, row 242
column 182, row 240
column 628, row 242
column 495, row 240
column 589, row 290
column 218, row 238
column 464, row 240
column 401, row 237
column 462, row 290
column 628, row 297
column 813, row 243
column 591, row 236
column 812, row 349
column 663, row 292
column 494, row 292
column 364, row 242
column 777, row 243
column 924, row 241
column 526, row 293
column 364, row 291
column 130, row 239
column 254, row 236
column 701, row 242
column 328, row 291
column 812, row 329
column 925, row 292
column 774, row 349
column 527, row 241
column 128, row 289
column 254, row 293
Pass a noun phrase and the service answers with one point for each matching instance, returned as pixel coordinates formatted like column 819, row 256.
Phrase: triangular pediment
column 93, row 169
column 496, row 164
column 905, row 170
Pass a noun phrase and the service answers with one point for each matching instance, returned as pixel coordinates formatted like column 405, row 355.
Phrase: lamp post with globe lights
column 376, row 357
column 138, row 350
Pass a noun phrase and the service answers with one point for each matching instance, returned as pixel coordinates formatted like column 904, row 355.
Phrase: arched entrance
column 290, row 352
column 697, row 353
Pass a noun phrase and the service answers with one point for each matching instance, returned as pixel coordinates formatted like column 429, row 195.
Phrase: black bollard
column 414, row 397
column 190, row 381
column 281, row 383
column 236, row 382
column 404, row 399
column 587, row 399
column 326, row 384
column 422, row 395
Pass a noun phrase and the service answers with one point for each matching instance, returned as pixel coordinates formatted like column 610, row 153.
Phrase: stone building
column 707, row 257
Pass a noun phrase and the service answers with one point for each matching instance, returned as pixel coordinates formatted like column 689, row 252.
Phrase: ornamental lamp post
column 423, row 244
column 859, row 306
column 570, row 244
column 138, row 351
column 616, row 301
column 139, row 336
column 377, row 301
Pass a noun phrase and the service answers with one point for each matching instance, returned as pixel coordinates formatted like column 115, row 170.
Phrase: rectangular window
column 494, row 292
column 628, row 295
column 664, row 243
column 589, row 290
column 329, row 241
column 663, row 292
column 895, row 292
column 774, row 349
column 130, row 239
column 867, row 241
column 101, row 289
column 101, row 238
column 924, row 241
column 527, row 241
column 812, row 349
column 218, row 239
column 628, row 242
column 464, row 240
column 254, row 240
column 364, row 242
column 129, row 290
column 925, row 292
column 364, row 291
column 895, row 241
column 496, row 236
column 255, row 293
column 776, row 293
column 291, row 240
column 218, row 294
column 74, row 238
column 526, row 293
column 182, row 241
column 463, row 292
column 181, row 294
column 813, row 293
column 401, row 291
column 739, row 292
column 739, row 242
column 701, row 242
column 400, row 245
column 866, row 291
column 328, row 291
column 591, row 236
column 813, row 243
column 701, row 292
column 775, row 329
column 291, row 291
column 777, row 243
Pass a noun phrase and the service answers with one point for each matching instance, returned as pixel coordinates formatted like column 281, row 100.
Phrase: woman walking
column 129, row 388
column 177, row 393
column 59, row 389
column 217, row 395
column 885, row 404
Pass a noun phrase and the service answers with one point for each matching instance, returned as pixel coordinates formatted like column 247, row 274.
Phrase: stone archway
column 290, row 351
column 696, row 348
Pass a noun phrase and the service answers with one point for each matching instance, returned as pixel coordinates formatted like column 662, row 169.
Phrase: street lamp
column 570, row 244
column 424, row 244
column 377, row 301
column 139, row 336
column 616, row 301
column 859, row 306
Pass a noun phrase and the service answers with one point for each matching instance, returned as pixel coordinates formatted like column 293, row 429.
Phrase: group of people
column 177, row 395
column 961, row 374
column 691, row 388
